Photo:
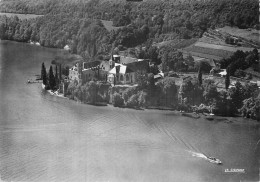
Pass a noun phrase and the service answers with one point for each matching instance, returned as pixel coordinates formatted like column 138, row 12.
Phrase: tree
column 168, row 91
column 51, row 79
column 251, row 108
column 141, row 80
column 153, row 54
column 250, row 90
column 56, row 76
column 188, row 25
column 2, row 31
column 44, row 75
column 133, row 101
column 71, row 88
column 117, row 100
column 142, row 99
column 192, row 90
column 127, row 93
column 223, row 106
column 227, row 79
column 200, row 76
column 151, row 82
column 92, row 92
column 237, row 95
column 210, row 93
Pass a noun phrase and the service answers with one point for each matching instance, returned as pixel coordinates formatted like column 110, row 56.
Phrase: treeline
column 91, row 92
column 155, row 20
column 85, row 37
column 192, row 95
column 187, row 18
column 240, row 61
column 76, row 24
column 51, row 79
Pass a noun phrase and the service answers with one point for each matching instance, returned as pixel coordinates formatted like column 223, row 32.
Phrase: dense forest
column 77, row 23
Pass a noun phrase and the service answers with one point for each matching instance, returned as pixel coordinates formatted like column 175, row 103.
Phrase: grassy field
column 185, row 43
column 177, row 43
column 200, row 55
column 21, row 16
column 203, row 51
column 222, row 47
column 249, row 34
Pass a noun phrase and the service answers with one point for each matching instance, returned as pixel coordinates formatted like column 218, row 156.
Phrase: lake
column 46, row 138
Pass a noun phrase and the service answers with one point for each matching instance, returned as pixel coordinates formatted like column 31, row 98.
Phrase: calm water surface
column 45, row 138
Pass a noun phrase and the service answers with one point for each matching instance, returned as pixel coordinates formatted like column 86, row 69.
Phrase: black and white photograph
column 129, row 91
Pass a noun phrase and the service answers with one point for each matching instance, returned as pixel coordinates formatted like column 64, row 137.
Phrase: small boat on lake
column 214, row 160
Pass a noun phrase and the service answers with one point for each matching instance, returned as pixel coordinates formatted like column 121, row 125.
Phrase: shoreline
column 34, row 43
column 192, row 115
column 216, row 118
column 54, row 93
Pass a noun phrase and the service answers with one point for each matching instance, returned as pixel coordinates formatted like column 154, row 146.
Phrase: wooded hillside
column 76, row 22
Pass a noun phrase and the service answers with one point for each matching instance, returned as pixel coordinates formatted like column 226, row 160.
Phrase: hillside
column 125, row 24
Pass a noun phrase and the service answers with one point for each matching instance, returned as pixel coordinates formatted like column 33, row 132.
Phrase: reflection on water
column 45, row 138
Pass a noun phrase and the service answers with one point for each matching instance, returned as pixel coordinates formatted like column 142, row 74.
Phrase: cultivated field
column 177, row 43
column 200, row 55
column 204, row 51
column 249, row 34
column 222, row 47
column 21, row 16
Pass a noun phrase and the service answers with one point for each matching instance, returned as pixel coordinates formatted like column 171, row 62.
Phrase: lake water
column 45, row 138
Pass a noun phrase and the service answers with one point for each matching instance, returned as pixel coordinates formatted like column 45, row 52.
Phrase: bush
column 71, row 88
column 117, row 100
column 168, row 91
column 133, row 101
column 239, row 73
column 91, row 92
column 142, row 80
column 142, row 99
column 129, row 92
column 251, row 108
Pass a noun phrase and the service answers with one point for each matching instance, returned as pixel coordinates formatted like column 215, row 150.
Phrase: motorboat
column 214, row 160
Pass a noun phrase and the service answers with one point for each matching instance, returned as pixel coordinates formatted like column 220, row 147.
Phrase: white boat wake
column 196, row 154
column 203, row 156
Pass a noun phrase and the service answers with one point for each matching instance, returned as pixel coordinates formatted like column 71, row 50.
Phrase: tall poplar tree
column 227, row 79
column 200, row 76
column 44, row 74
column 56, row 76
column 51, row 79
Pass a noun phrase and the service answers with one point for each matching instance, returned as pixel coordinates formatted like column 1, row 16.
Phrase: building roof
column 127, row 60
column 123, row 69
column 66, row 47
column 91, row 69
column 223, row 72
column 90, row 64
